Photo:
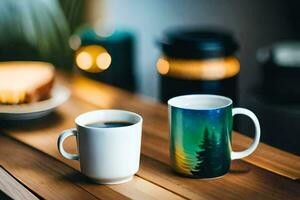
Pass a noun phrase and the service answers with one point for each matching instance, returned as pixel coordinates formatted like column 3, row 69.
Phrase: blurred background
column 151, row 47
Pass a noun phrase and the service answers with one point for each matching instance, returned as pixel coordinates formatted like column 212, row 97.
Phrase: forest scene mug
column 200, row 135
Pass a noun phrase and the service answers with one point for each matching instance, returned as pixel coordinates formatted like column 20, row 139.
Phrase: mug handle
column 253, row 146
column 60, row 142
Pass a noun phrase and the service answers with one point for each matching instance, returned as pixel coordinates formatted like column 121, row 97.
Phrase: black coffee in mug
column 109, row 124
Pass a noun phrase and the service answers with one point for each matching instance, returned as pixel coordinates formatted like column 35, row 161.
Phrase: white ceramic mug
column 106, row 155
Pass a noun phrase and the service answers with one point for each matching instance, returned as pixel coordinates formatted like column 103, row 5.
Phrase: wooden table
column 31, row 167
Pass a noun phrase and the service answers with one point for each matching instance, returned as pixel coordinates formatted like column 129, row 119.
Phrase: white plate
column 59, row 95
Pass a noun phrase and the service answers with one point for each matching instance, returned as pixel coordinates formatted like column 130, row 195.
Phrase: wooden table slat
column 44, row 175
column 12, row 188
column 270, row 158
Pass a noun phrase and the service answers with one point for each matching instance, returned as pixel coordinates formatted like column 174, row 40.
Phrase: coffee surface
column 109, row 124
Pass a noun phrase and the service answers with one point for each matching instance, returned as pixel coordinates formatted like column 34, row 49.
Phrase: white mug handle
column 253, row 146
column 60, row 142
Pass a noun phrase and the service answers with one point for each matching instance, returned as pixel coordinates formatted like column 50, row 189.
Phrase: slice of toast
column 25, row 82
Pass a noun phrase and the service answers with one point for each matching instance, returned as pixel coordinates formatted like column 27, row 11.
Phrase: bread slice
column 25, row 81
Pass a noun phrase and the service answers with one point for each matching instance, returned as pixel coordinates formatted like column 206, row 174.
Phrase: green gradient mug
column 200, row 135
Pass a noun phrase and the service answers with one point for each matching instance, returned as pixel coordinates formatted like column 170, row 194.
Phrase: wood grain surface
column 258, row 177
column 12, row 188
column 47, row 177
column 51, row 179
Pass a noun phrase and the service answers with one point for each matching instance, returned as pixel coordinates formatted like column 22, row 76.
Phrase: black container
column 198, row 61
column 280, row 65
column 279, row 121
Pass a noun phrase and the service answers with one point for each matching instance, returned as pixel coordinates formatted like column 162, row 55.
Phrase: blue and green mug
column 200, row 135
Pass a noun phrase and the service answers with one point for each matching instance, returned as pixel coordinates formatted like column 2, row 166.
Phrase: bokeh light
column 84, row 60
column 162, row 66
column 93, row 58
column 74, row 42
column 103, row 60
column 104, row 29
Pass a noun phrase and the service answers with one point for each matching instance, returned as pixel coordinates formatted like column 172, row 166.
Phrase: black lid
column 199, row 43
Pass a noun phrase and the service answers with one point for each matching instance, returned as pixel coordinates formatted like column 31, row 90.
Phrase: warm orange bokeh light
column 93, row 58
column 84, row 60
column 162, row 66
column 103, row 60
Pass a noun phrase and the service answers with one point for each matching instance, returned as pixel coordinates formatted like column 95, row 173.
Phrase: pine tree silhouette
column 202, row 168
column 212, row 156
